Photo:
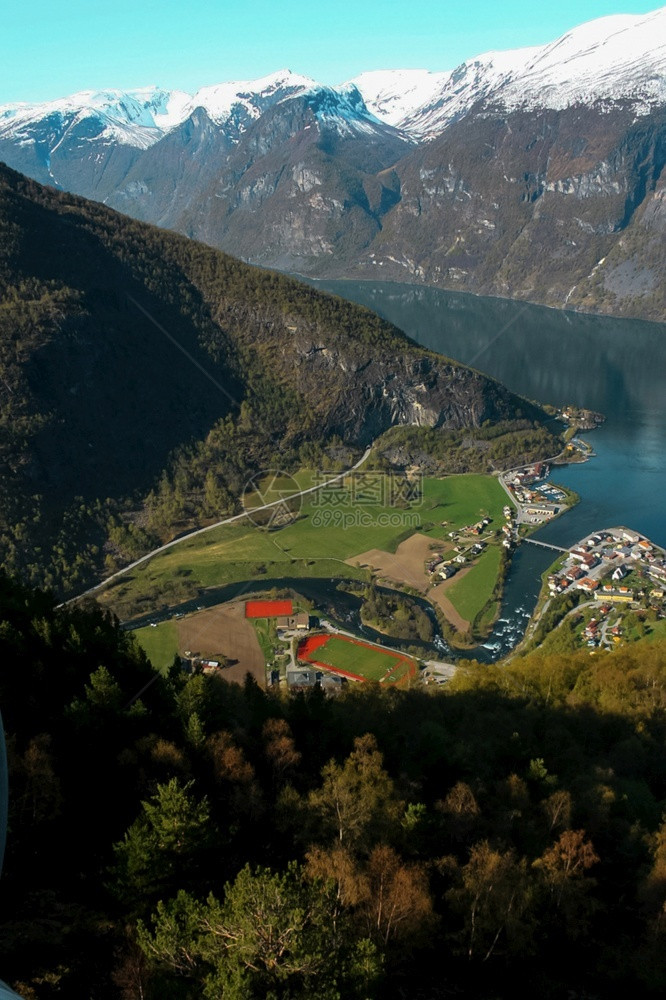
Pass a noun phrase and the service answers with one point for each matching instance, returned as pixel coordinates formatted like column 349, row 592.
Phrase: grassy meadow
column 332, row 525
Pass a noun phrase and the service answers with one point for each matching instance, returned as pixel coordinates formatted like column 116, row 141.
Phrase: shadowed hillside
column 143, row 376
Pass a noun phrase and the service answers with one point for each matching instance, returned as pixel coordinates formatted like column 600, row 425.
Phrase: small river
column 614, row 366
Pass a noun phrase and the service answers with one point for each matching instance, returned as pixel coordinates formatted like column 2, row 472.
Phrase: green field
column 267, row 636
column 473, row 591
column 332, row 526
column 369, row 662
column 462, row 500
column 160, row 643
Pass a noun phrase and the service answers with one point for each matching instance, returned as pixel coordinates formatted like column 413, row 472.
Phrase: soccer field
column 357, row 659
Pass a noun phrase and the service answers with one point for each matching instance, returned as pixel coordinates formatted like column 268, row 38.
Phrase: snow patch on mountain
column 342, row 108
column 167, row 107
column 392, row 95
column 614, row 59
column 247, row 98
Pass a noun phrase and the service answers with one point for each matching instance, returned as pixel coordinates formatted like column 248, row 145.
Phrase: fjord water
column 614, row 366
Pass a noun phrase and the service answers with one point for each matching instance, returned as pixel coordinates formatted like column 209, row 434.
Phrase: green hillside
column 144, row 376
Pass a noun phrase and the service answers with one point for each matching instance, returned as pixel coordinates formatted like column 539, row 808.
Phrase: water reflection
column 615, row 366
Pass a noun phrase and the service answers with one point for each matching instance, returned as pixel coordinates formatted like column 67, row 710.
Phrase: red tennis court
column 268, row 609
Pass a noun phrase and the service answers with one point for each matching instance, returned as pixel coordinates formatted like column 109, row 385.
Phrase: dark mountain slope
column 134, row 360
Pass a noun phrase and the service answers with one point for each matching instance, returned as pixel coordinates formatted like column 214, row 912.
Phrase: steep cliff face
column 133, row 360
column 559, row 206
column 358, row 390
column 533, row 205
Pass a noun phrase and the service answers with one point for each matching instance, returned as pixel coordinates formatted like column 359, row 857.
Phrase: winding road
column 218, row 524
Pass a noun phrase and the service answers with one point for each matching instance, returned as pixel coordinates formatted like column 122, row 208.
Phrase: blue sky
column 50, row 49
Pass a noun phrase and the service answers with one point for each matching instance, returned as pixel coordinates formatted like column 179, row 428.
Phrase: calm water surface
column 611, row 365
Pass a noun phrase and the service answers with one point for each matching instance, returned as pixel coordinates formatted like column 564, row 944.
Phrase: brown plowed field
column 407, row 566
column 224, row 631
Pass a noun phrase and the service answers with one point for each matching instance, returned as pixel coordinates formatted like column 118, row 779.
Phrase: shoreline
column 652, row 552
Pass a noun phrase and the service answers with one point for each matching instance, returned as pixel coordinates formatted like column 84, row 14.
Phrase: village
column 616, row 569
column 535, row 504
column 465, row 549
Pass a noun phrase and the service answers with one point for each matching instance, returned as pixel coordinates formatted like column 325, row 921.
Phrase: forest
column 145, row 377
column 174, row 836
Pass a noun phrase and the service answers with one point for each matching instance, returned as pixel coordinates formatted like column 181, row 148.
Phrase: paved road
column 218, row 524
column 519, row 507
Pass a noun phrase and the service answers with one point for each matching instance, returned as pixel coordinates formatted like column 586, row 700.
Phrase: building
column 302, row 679
column 587, row 584
column 299, row 621
column 607, row 594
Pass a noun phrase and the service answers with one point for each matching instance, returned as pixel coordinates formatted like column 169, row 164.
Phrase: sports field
column 322, row 542
column 361, row 661
column 268, row 609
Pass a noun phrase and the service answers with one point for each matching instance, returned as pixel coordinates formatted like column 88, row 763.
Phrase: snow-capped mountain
column 126, row 118
column 141, row 117
column 236, row 104
column 69, row 142
column 394, row 95
column 451, row 95
column 89, row 141
column 612, row 59
column 618, row 58
column 517, row 173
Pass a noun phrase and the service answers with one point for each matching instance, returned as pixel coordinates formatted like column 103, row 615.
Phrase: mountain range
column 536, row 173
column 144, row 377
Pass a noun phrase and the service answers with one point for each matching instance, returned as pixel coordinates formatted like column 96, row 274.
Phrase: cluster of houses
column 473, row 529
column 599, row 563
column 535, row 503
column 594, row 630
column 437, row 566
column 528, row 475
